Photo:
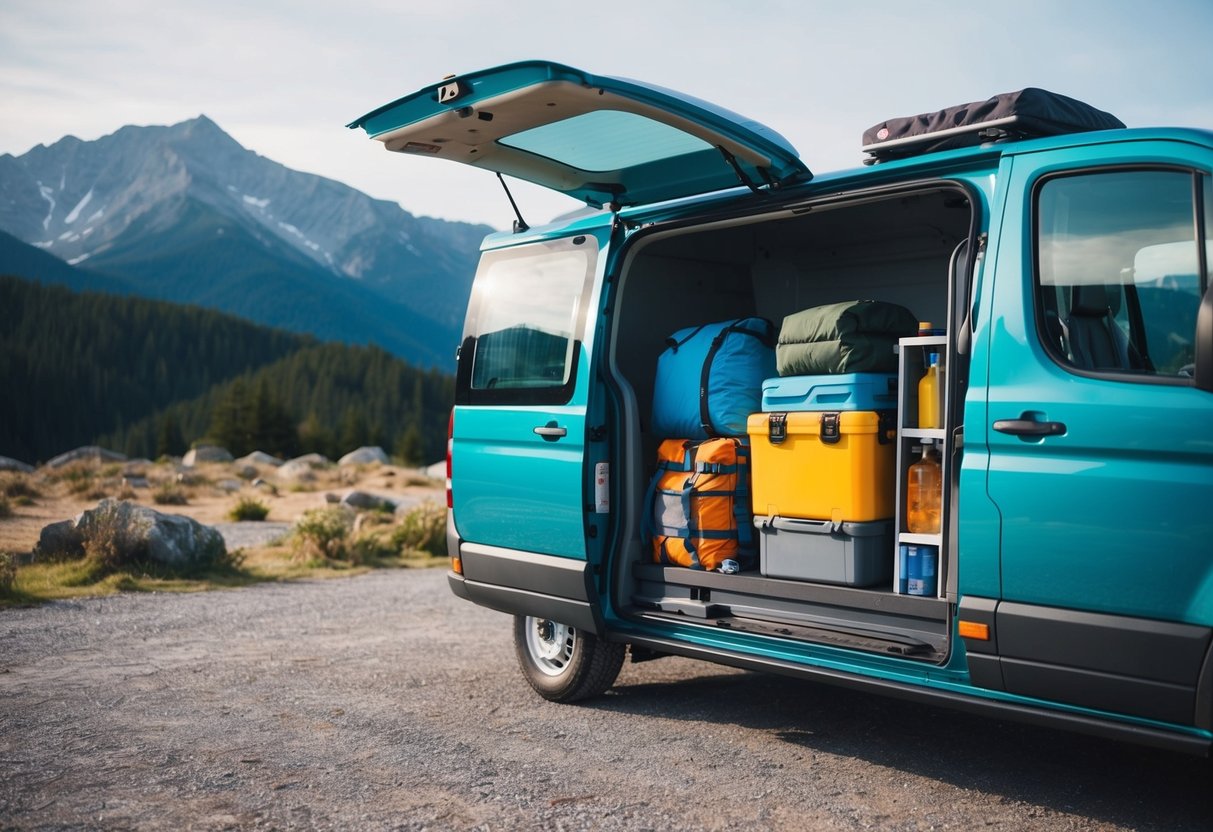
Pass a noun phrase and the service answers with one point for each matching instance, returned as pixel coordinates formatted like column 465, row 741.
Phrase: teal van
column 1064, row 263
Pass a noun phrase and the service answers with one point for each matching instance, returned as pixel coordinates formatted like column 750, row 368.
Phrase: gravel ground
column 383, row 702
column 251, row 534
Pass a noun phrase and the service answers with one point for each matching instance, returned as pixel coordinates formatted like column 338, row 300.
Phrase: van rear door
column 518, row 454
column 597, row 139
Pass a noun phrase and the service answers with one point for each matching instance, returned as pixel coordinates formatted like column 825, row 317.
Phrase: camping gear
column 697, row 510
column 709, row 379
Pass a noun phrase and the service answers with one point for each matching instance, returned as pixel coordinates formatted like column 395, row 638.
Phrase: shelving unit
column 912, row 364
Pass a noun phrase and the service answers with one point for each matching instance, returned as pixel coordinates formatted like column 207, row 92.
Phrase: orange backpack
column 698, row 507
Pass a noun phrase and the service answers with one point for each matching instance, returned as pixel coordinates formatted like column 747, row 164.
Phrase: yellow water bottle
column 928, row 396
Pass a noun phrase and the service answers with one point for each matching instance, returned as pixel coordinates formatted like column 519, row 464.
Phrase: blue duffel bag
column 709, row 379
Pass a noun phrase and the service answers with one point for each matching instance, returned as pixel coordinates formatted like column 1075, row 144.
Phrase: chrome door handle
column 1029, row 427
column 550, row 431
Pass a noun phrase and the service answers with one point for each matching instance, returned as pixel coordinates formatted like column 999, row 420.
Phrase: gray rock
column 10, row 464
column 364, row 456
column 86, row 453
column 136, row 481
column 300, row 468
column 170, row 539
column 59, row 540
column 206, row 453
column 259, row 458
column 365, row 501
column 331, row 498
column 437, row 471
column 230, row 486
column 246, row 472
column 263, row 485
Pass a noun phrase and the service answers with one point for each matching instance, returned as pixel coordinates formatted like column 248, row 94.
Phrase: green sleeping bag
column 850, row 337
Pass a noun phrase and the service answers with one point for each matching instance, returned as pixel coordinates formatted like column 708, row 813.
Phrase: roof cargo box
column 1029, row 113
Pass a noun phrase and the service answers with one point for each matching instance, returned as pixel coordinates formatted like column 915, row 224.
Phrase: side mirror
column 1203, row 374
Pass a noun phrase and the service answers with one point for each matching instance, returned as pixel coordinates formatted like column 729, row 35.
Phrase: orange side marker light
column 974, row 630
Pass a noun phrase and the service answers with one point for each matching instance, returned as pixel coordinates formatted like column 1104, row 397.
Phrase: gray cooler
column 821, row 551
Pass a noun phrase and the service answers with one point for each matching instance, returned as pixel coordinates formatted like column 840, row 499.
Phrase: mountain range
column 185, row 213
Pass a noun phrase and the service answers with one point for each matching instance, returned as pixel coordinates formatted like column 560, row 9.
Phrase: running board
column 872, row 620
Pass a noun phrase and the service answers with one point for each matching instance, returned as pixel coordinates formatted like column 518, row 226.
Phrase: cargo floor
column 870, row 619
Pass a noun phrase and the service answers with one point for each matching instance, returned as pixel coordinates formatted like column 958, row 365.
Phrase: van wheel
column 564, row 664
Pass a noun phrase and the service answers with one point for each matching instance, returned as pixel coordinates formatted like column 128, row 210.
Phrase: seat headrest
column 1091, row 300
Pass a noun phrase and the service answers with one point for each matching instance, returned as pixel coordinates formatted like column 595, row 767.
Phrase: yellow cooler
column 835, row 466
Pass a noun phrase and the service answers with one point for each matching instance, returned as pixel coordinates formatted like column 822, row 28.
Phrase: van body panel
column 1075, row 544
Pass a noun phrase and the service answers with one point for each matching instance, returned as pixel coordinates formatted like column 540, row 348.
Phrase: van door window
column 1119, row 276
column 525, row 323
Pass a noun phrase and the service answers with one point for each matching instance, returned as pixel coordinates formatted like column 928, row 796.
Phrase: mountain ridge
column 133, row 202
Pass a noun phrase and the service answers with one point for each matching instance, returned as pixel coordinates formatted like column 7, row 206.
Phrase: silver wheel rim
column 549, row 644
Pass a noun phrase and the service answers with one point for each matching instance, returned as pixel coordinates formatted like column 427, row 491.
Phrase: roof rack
column 1028, row 113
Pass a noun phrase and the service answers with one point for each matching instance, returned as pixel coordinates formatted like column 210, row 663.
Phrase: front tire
column 564, row 664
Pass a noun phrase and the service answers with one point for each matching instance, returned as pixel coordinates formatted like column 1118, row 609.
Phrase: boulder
column 86, row 453
column 331, row 498
column 365, row 455
column 206, row 453
column 246, row 472
column 364, row 501
column 300, row 468
column 59, row 540
column 10, row 464
column 230, row 486
column 169, row 539
column 259, row 458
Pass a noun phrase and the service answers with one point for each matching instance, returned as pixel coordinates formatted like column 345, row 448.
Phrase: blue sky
column 285, row 77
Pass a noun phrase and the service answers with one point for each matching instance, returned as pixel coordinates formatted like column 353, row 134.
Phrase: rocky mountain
column 185, row 213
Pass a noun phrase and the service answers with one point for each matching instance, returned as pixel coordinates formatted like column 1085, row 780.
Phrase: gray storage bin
column 821, row 551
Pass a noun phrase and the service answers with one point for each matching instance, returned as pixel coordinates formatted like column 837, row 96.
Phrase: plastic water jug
column 923, row 491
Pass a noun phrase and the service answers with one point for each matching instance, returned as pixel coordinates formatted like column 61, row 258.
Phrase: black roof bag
column 1028, row 113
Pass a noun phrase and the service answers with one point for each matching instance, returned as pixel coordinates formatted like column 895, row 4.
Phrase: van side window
column 1118, row 271
column 526, row 321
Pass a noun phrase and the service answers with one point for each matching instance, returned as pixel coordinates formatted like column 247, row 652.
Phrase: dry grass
column 48, row 496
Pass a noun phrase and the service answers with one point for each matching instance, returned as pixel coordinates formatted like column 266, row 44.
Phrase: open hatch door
column 597, row 139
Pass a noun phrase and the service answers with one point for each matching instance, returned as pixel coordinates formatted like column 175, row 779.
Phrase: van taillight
column 450, row 434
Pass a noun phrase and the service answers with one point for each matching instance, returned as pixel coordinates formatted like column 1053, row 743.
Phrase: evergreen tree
column 169, row 439
column 409, row 447
column 232, row 420
column 353, row 433
column 272, row 428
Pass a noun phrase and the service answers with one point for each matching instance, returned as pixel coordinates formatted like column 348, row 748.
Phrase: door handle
column 550, row 431
column 1029, row 427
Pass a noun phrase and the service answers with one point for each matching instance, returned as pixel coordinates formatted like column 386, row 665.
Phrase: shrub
column 249, row 508
column 324, row 533
column 18, row 489
column 170, row 494
column 6, row 508
column 423, row 530
column 109, row 543
column 8, row 572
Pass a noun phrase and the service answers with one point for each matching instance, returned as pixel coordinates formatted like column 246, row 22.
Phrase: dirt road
column 382, row 702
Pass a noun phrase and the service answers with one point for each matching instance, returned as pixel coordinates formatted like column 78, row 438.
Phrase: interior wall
column 663, row 294
column 785, row 285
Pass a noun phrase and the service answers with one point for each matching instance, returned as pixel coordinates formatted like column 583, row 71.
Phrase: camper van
column 964, row 451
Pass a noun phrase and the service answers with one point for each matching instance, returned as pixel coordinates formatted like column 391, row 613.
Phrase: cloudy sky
column 284, row 78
